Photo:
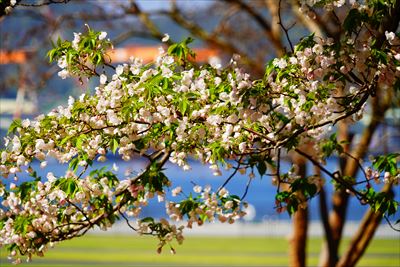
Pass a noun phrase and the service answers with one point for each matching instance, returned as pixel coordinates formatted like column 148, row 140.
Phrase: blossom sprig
column 165, row 232
column 206, row 206
column 81, row 56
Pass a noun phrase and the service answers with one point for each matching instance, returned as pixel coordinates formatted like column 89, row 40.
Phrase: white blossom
column 103, row 79
column 102, row 35
column 176, row 191
column 77, row 39
column 165, row 38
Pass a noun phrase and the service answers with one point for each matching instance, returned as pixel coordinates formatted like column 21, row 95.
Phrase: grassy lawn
column 125, row 250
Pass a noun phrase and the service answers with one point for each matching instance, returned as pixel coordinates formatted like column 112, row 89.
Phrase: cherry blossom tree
column 175, row 110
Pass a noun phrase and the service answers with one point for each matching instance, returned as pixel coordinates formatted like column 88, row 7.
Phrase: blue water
column 261, row 193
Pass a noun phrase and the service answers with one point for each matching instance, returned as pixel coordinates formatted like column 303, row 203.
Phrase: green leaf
column 305, row 42
column 68, row 185
column 188, row 40
column 269, row 68
column 147, row 220
column 302, row 185
column 79, row 141
column 183, row 106
column 186, row 206
column 387, row 163
column 139, row 144
column 21, row 224
column 379, row 56
column 14, row 126
column 51, row 54
column 114, row 145
column 172, row 49
column 65, row 140
column 25, row 189
column 73, row 164
column 353, row 20
column 292, row 205
column 262, row 168
column 282, row 196
column 332, row 145
column 181, row 50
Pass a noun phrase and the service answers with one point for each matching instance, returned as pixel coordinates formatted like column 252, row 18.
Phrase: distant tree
column 174, row 109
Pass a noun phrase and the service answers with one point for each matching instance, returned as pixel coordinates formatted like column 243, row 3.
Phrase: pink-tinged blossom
column 63, row 74
column 197, row 188
column 176, row 191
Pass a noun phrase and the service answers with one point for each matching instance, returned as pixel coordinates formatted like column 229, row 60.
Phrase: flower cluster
column 206, row 206
column 9, row 9
column 78, row 57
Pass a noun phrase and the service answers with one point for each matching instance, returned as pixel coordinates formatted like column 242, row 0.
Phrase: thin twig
column 247, row 188
column 358, row 163
column 390, row 224
column 230, row 177
column 44, row 3
column 334, row 176
column 278, row 172
column 127, row 221
column 263, row 23
column 284, row 28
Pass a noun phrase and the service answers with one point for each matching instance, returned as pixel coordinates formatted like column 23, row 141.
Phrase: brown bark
column 310, row 24
column 340, row 198
column 363, row 236
column 298, row 240
column 337, row 220
column 337, row 217
column 273, row 8
column 371, row 220
column 329, row 251
column 350, row 167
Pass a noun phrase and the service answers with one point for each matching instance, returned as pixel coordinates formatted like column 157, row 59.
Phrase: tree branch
column 264, row 24
column 285, row 30
column 310, row 24
column 49, row 2
column 199, row 32
column 330, row 250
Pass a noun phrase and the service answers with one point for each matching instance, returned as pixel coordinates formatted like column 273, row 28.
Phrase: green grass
column 131, row 250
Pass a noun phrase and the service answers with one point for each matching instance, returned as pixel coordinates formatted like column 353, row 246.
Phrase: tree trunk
column 298, row 240
column 363, row 236
column 329, row 251
column 350, row 168
column 337, row 218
